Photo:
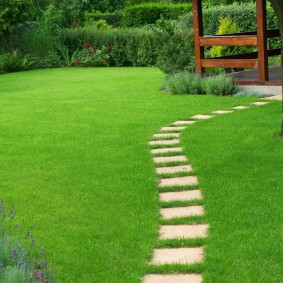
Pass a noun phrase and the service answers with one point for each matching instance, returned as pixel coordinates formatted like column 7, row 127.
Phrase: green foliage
column 184, row 83
column 133, row 47
column 219, row 85
column 226, row 25
column 13, row 12
column 149, row 13
column 113, row 19
column 190, row 83
column 100, row 24
column 12, row 61
column 249, row 94
column 69, row 59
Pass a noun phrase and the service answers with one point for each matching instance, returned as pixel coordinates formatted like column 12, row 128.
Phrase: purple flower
column 20, row 263
column 14, row 251
column 41, row 252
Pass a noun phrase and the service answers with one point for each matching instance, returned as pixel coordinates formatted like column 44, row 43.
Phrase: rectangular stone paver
column 202, row 117
column 177, row 256
column 187, row 211
column 259, row 103
column 180, row 196
column 165, row 142
column 168, row 129
column 241, row 107
column 167, row 135
column 183, row 231
column 173, row 169
column 172, row 278
column 176, row 158
column 178, row 181
column 222, row 111
column 184, row 122
column 166, row 150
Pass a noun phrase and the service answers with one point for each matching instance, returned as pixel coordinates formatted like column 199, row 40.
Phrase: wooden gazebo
column 261, row 75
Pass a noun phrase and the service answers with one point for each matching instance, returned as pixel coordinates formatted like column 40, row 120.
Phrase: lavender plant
column 16, row 261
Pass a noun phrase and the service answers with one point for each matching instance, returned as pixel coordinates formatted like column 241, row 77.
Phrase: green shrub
column 133, row 47
column 177, row 52
column 12, row 62
column 184, row 83
column 149, row 13
column 113, row 19
column 219, row 85
column 190, row 83
column 249, row 94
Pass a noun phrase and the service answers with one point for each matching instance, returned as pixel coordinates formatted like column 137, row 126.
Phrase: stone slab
column 168, row 129
column 222, row 111
column 172, row 278
column 258, row 103
column 178, row 181
column 267, row 90
column 202, row 117
column 173, row 169
column 177, row 256
column 166, row 150
column 177, row 212
column 180, row 196
column 167, row 135
column 241, row 107
column 184, row 122
column 163, row 159
column 183, row 231
column 275, row 97
column 164, row 142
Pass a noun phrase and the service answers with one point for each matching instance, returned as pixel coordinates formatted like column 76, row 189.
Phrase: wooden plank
column 270, row 33
column 262, row 40
column 229, row 63
column 231, row 40
column 198, row 32
column 251, row 55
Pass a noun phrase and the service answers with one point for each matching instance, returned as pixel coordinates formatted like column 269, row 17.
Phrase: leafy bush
column 184, row 83
column 249, row 94
column 12, row 62
column 113, row 19
column 149, row 13
column 133, row 47
column 219, row 85
column 190, row 83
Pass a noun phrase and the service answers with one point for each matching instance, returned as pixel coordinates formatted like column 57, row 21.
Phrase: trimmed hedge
column 149, row 13
column 133, row 47
column 136, row 47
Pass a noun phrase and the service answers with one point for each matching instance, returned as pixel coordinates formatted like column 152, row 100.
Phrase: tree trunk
column 278, row 8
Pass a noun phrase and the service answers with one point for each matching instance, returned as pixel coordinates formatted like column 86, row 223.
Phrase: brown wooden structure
column 254, row 60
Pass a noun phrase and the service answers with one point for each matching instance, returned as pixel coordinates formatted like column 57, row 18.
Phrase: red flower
column 110, row 47
column 104, row 60
column 94, row 48
column 77, row 62
column 87, row 45
column 90, row 54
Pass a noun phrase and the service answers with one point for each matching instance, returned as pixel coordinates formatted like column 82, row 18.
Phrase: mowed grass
column 75, row 160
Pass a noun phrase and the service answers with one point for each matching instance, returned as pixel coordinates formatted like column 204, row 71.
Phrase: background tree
column 13, row 12
column 278, row 8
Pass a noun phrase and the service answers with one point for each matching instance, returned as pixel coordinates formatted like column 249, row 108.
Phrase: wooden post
column 262, row 41
column 198, row 32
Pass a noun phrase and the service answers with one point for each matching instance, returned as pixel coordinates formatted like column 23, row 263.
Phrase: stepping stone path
column 188, row 192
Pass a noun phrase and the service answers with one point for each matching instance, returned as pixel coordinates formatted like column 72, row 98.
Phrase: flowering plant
column 92, row 56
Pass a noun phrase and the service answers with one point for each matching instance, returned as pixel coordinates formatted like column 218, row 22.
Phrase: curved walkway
column 178, row 183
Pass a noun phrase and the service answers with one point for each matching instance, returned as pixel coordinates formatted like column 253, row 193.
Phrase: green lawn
column 75, row 160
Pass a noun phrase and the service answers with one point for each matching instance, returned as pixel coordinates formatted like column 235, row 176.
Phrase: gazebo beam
column 262, row 40
column 198, row 32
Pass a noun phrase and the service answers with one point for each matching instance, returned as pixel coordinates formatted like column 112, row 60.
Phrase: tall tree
column 278, row 8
